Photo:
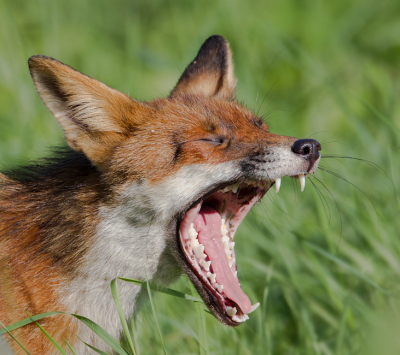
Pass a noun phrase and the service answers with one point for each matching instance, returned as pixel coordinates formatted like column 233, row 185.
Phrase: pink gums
column 208, row 225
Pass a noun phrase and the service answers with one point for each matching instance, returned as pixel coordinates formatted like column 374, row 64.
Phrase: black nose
column 308, row 149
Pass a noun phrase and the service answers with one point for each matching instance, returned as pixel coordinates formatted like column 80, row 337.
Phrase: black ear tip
column 215, row 41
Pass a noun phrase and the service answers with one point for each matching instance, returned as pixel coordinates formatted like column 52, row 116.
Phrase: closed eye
column 214, row 140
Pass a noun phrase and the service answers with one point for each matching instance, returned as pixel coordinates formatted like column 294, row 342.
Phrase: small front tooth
column 231, row 262
column 198, row 251
column 235, row 274
column 239, row 319
column 277, row 184
column 205, row 264
column 302, row 179
column 225, row 239
column 192, row 232
column 254, row 307
column 232, row 245
column 195, row 243
column 231, row 311
column 219, row 287
column 211, row 277
column 228, row 251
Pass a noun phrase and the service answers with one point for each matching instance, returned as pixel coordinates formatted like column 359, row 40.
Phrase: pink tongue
column 208, row 225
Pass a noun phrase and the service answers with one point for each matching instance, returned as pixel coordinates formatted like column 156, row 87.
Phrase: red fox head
column 179, row 175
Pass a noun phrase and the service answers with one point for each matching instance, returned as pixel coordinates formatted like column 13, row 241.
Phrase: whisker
column 376, row 166
column 337, row 207
column 262, row 80
column 269, row 90
column 342, row 178
column 322, row 132
column 324, row 167
column 322, row 198
column 281, row 108
column 278, row 207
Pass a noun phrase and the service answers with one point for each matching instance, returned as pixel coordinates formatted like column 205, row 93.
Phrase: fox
column 142, row 190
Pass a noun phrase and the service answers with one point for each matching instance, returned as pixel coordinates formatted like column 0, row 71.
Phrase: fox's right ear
column 94, row 117
column 210, row 73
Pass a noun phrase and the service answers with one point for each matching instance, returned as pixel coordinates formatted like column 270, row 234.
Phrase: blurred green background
column 325, row 264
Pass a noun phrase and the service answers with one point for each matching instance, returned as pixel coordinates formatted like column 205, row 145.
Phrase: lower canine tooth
column 231, row 311
column 277, row 184
column 302, row 179
column 231, row 262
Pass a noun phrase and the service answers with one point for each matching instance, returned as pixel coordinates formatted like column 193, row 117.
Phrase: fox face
column 150, row 189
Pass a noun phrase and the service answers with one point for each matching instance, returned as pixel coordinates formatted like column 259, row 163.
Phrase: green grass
column 326, row 271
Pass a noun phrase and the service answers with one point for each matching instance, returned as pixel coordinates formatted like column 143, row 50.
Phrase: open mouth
column 206, row 236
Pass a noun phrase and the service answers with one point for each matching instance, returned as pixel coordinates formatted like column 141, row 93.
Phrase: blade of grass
column 48, row 336
column 195, row 336
column 92, row 325
column 70, row 347
column 165, row 290
column 344, row 265
column 202, row 327
column 155, row 316
column 93, row 348
column 15, row 339
column 102, row 334
column 342, row 329
column 26, row 321
column 118, row 304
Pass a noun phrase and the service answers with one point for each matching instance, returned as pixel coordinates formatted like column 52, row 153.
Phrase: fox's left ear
column 210, row 73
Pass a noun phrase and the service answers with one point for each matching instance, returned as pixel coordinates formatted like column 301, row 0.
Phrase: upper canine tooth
column 235, row 188
column 302, row 179
column 277, row 184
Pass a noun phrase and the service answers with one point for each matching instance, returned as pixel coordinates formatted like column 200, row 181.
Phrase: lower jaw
column 213, row 302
